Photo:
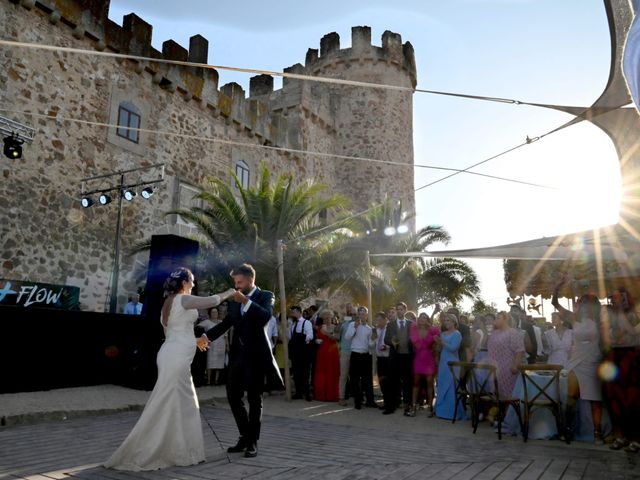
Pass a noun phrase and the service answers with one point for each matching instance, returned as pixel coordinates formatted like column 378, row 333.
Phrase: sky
column 543, row 51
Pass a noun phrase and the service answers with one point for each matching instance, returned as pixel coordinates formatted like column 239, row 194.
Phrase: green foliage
column 447, row 280
column 244, row 225
column 238, row 225
column 480, row 306
column 415, row 280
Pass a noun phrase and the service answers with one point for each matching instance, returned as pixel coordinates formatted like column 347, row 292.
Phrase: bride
column 169, row 431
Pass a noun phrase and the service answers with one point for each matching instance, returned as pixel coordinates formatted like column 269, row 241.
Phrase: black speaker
column 168, row 252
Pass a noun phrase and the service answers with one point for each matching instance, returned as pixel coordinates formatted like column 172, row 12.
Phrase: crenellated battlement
column 321, row 130
column 265, row 112
column 392, row 52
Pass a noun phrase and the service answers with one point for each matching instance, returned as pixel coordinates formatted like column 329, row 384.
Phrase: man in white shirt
column 272, row 331
column 383, row 361
column 360, row 373
column 134, row 307
column 300, row 337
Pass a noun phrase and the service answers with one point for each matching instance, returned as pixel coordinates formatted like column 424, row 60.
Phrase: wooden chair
column 538, row 393
column 460, row 372
column 482, row 384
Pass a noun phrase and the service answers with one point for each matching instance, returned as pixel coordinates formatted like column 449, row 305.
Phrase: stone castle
column 48, row 237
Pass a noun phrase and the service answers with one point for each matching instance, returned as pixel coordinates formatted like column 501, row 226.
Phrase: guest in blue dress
column 449, row 341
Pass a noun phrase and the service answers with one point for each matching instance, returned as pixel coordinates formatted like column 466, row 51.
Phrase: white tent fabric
column 611, row 243
column 631, row 59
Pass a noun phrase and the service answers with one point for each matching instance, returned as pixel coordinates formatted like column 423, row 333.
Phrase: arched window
column 128, row 119
column 242, row 172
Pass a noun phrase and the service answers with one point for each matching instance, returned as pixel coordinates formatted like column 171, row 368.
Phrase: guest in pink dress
column 422, row 336
column 505, row 349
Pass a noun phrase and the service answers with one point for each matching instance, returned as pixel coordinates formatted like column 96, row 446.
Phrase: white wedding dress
column 169, row 431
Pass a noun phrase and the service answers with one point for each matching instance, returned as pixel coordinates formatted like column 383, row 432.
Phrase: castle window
column 128, row 117
column 242, row 172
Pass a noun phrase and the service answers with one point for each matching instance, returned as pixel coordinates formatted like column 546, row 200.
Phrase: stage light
column 389, row 231
column 104, row 199
column 86, row 202
column 128, row 195
column 147, row 192
column 13, row 147
column 403, row 229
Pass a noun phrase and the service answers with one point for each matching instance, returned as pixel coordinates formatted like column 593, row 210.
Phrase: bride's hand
column 229, row 293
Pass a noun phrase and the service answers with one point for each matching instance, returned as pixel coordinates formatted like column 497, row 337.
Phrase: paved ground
column 306, row 440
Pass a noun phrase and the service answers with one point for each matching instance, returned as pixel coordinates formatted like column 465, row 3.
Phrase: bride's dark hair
column 173, row 283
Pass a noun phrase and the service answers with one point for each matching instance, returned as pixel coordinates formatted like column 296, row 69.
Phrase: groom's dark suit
column 250, row 360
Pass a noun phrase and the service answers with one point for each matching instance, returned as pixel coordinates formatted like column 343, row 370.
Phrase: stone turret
column 376, row 123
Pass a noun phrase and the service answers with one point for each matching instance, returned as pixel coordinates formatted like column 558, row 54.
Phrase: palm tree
column 415, row 280
column 447, row 280
column 244, row 225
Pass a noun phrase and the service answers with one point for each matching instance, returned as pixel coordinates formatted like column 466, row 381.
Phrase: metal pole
column 283, row 320
column 369, row 296
column 115, row 271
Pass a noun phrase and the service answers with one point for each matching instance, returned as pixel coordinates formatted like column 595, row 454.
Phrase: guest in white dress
column 584, row 360
column 559, row 341
column 217, row 349
column 169, row 431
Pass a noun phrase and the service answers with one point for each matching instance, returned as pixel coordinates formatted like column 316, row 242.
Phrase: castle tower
column 366, row 122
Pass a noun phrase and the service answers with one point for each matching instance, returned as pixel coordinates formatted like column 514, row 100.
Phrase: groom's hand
column 203, row 343
column 240, row 297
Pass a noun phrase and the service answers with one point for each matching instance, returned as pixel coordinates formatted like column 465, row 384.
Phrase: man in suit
column 401, row 357
column 250, row 355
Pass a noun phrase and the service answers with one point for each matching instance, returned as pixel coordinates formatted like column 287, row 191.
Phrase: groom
column 250, row 356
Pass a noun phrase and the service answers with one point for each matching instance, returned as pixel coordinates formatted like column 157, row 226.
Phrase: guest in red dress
column 327, row 374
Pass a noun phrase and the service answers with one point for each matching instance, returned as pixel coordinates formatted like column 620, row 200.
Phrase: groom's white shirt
column 246, row 306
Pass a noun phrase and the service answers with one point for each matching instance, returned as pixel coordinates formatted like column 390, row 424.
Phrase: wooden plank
column 575, row 470
column 451, row 470
column 492, row 471
column 405, row 471
column 535, row 470
column 555, row 470
column 269, row 474
column 431, row 470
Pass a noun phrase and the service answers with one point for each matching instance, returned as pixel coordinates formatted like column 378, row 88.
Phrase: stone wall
column 48, row 237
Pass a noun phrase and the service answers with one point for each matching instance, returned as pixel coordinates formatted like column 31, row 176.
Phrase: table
column 542, row 424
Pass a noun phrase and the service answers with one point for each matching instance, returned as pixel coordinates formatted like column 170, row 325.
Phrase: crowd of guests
column 335, row 357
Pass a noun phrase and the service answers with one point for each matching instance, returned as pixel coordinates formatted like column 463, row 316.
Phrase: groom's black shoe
column 251, row 451
column 238, row 447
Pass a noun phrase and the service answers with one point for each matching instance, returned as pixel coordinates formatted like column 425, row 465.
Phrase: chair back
column 541, row 383
column 483, row 382
column 460, row 373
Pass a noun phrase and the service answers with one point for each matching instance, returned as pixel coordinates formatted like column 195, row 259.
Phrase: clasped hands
column 203, row 342
column 235, row 295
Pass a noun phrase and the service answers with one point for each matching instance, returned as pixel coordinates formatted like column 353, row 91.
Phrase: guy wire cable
column 296, row 76
column 60, row 118
column 528, row 141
